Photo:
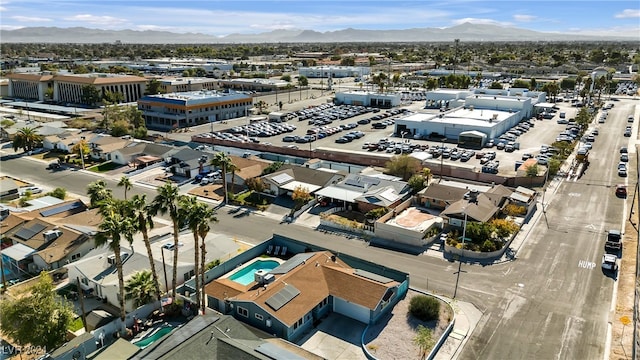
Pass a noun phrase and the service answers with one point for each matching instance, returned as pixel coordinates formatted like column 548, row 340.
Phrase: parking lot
column 369, row 130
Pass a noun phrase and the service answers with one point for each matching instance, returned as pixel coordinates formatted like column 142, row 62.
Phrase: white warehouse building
column 368, row 98
column 334, row 71
column 492, row 123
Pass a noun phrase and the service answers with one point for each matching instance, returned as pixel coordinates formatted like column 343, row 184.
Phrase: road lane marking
column 586, row 264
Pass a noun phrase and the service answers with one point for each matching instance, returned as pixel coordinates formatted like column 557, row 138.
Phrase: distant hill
column 465, row 32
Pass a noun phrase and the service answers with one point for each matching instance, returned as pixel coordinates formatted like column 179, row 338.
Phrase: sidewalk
column 466, row 319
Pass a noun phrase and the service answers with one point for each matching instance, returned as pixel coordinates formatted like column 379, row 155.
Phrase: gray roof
column 7, row 185
column 71, row 345
column 145, row 148
column 308, row 175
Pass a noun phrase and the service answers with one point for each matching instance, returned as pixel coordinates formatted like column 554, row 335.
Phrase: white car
column 610, row 262
column 31, row 189
column 170, row 246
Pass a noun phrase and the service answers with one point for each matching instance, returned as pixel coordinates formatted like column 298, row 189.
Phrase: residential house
column 64, row 142
column 247, row 168
column 101, row 146
column 98, row 274
column 289, row 300
column 365, row 193
column 221, row 337
column 486, row 206
column 77, row 348
column 140, row 154
column 8, row 133
column 289, row 177
column 440, row 196
column 8, row 189
column 48, row 238
column 188, row 163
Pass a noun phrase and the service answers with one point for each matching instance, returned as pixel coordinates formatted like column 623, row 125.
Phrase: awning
column 18, row 252
column 339, row 193
column 292, row 185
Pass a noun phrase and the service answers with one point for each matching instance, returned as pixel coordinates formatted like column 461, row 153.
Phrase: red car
column 621, row 191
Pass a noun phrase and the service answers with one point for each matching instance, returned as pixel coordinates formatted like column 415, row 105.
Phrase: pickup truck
column 614, row 241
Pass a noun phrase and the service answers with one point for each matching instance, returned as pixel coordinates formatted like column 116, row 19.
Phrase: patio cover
column 18, row 252
column 292, row 185
column 339, row 193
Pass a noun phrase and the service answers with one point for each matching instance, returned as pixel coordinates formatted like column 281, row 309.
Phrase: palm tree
column 114, row 228
column 232, row 168
column 140, row 288
column 222, row 161
column 126, row 183
column 198, row 216
column 140, row 213
column 26, row 138
column 167, row 202
column 98, row 192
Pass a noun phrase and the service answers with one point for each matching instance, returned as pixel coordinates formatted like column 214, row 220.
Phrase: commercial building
column 173, row 85
column 177, row 110
column 259, row 85
column 317, row 72
column 68, row 88
column 367, row 98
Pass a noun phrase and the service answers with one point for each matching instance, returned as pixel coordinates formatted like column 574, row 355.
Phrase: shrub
column 425, row 308
column 376, row 213
column 59, row 193
column 488, row 246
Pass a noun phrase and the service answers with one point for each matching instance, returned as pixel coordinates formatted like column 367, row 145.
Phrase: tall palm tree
column 98, row 192
column 197, row 216
column 125, row 182
column 222, row 161
column 143, row 221
column 232, row 168
column 114, row 228
column 26, row 138
column 167, row 202
column 140, row 288
column 207, row 215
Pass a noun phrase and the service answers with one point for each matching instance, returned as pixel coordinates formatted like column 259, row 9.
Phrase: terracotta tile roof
column 97, row 80
column 316, row 279
column 30, row 77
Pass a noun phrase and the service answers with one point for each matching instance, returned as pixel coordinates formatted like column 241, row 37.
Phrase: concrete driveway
column 337, row 337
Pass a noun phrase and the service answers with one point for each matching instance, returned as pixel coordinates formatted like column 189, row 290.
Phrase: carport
column 341, row 194
column 472, row 139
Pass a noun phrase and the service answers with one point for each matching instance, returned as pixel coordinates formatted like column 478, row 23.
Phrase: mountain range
column 465, row 32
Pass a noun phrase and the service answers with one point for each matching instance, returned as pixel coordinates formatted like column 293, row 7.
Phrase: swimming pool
column 244, row 276
column 155, row 336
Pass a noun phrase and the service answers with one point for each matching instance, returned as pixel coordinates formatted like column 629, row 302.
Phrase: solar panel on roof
column 361, row 182
column 276, row 352
column 282, row 178
column 291, row 263
column 371, row 276
column 27, row 233
column 60, row 209
column 282, row 297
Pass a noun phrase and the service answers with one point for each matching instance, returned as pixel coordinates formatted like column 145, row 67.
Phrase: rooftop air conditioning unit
column 51, row 235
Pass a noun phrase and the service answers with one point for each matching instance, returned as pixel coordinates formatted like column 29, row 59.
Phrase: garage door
column 351, row 310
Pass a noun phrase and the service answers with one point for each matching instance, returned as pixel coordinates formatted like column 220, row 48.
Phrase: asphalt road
column 552, row 302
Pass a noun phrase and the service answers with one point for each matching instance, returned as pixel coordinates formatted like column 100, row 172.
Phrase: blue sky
column 216, row 17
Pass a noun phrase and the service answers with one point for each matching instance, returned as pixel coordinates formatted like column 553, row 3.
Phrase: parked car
column 171, row 246
column 621, row 190
column 609, row 262
column 31, row 189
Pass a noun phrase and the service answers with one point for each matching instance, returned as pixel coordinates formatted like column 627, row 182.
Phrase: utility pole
column 81, row 297
column 455, row 55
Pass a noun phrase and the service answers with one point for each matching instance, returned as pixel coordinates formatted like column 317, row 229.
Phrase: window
column 259, row 317
column 242, row 311
column 75, row 256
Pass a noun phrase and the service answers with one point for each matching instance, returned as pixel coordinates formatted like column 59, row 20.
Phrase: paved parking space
column 336, row 337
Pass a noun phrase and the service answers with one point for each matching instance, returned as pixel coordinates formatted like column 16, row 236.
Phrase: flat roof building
column 334, row 71
column 367, row 98
column 176, row 110
column 184, row 84
column 261, row 85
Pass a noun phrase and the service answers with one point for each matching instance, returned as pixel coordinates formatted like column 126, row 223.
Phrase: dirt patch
column 213, row 192
column 392, row 337
column 622, row 336
column 412, row 217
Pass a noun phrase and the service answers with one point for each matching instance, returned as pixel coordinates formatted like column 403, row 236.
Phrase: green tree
column 38, row 317
column 417, row 182
column 26, row 138
column 154, row 87
column 90, row 95
column 98, row 193
column 60, row 193
column 403, row 166
column 125, row 183
column 286, row 78
column 115, row 228
column 222, row 161
column 140, row 288
column 113, row 97
column 425, row 308
column 119, row 128
column 532, row 170
column 166, row 202
column 138, row 210
column 424, row 340
column 496, row 85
